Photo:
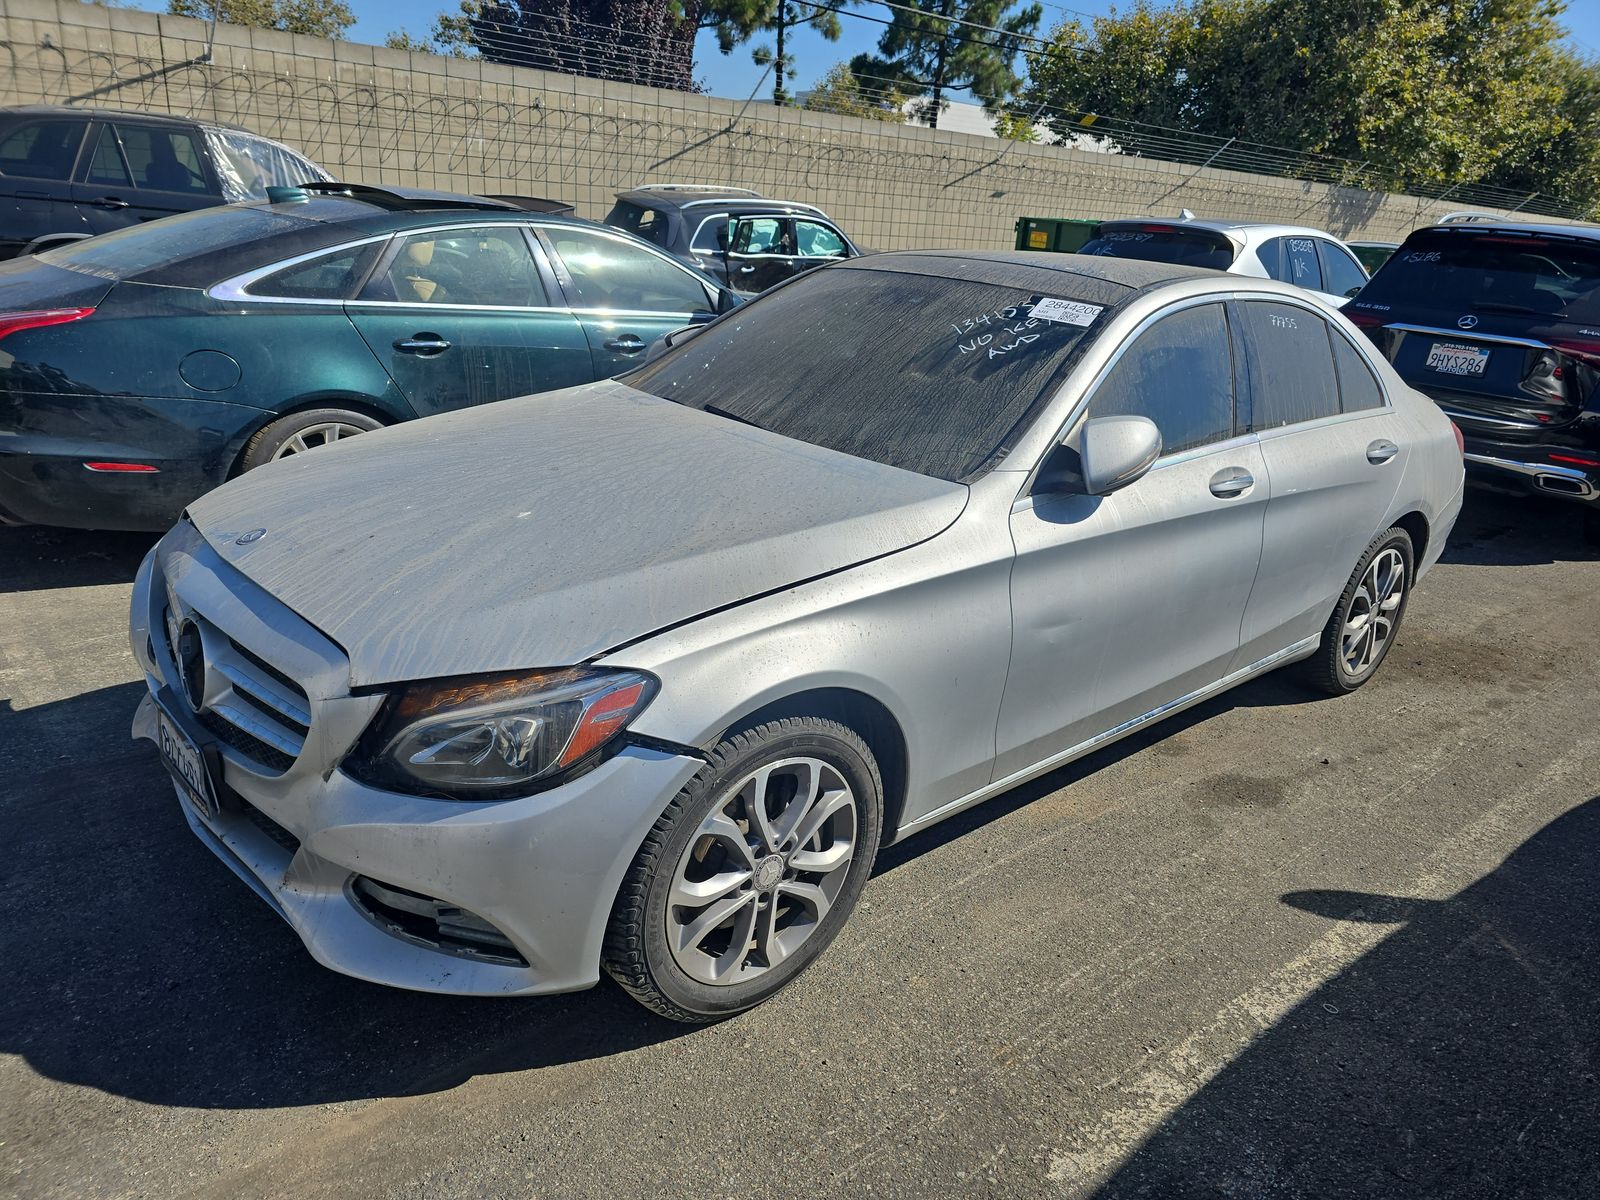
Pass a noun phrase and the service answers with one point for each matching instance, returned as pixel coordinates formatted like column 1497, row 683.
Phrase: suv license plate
column 1457, row 360
column 187, row 765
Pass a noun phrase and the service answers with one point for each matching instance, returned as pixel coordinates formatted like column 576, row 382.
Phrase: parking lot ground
column 1279, row 946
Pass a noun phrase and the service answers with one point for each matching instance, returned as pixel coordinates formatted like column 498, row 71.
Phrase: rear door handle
column 1231, row 481
column 424, row 344
column 109, row 202
column 626, row 344
column 1381, row 451
column 746, row 270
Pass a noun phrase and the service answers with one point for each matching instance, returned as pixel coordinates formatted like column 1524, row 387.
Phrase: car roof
column 684, row 196
column 1468, row 228
column 1257, row 228
column 112, row 114
column 1028, row 268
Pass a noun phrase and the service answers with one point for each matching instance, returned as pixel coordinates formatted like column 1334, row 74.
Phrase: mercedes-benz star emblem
column 1467, row 322
column 255, row 535
column 191, row 664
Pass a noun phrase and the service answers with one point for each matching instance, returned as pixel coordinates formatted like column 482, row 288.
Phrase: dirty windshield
column 916, row 371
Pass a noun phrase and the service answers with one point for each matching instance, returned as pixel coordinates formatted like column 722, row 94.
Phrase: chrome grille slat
column 271, row 693
column 257, row 727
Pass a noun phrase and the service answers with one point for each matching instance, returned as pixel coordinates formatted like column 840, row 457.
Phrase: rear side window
column 818, row 241
column 41, row 149
column 105, row 164
column 1289, row 363
column 712, row 236
column 1358, row 386
column 164, row 160
column 1492, row 271
column 1179, row 373
column 1163, row 243
column 489, row 267
column 1341, row 274
column 758, row 235
column 333, row 276
column 1295, row 262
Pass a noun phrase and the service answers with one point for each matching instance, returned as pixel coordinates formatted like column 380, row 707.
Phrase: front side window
column 41, row 149
column 1341, row 274
column 818, row 241
column 1289, row 363
column 164, row 160
column 712, row 236
column 608, row 273
column 332, row 276
column 897, row 366
column 1179, row 373
column 488, row 267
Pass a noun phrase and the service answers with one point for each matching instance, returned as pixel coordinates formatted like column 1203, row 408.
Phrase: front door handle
column 1381, row 451
column 109, row 202
column 626, row 344
column 1231, row 481
column 423, row 344
column 747, row 270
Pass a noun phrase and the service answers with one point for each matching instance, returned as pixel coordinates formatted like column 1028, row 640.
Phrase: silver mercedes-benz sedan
column 640, row 675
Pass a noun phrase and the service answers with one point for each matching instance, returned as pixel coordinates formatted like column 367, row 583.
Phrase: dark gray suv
column 69, row 173
column 737, row 236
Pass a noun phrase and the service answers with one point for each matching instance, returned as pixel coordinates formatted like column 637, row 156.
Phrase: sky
column 735, row 75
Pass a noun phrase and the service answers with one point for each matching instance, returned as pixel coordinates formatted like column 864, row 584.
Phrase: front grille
column 271, row 828
column 248, row 704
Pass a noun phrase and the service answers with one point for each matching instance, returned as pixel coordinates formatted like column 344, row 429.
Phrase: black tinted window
column 1341, row 274
column 1179, row 373
column 712, row 235
column 1156, row 243
column 648, row 223
column 105, row 164
column 334, row 276
column 1300, row 265
column 1492, row 272
column 927, row 373
column 41, row 149
column 1289, row 364
column 164, row 160
column 1358, row 387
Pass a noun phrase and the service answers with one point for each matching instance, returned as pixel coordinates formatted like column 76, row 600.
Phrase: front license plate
column 188, row 766
column 1457, row 360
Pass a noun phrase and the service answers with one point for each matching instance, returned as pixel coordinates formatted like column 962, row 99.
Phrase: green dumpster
column 1060, row 234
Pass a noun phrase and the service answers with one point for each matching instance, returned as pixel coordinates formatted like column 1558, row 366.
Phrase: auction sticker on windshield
column 1457, row 360
column 1066, row 312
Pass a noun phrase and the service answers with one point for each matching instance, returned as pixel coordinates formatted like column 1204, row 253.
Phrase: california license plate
column 186, row 763
column 1457, row 360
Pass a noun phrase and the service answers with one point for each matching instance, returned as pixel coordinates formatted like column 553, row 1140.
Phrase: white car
column 1308, row 258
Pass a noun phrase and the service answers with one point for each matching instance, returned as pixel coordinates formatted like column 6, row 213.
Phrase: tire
column 679, row 959
column 1330, row 669
column 303, row 431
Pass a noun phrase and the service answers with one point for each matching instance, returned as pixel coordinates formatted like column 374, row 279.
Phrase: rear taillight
column 1584, row 351
column 16, row 322
column 1363, row 320
column 1461, row 442
column 1570, row 459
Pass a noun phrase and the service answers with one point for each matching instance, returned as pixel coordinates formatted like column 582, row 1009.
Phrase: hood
column 545, row 531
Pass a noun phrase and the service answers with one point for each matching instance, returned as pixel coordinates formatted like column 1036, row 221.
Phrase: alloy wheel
column 762, row 871
column 1369, row 621
column 312, row 436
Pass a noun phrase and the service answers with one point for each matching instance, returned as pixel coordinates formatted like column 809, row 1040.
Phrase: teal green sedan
column 140, row 369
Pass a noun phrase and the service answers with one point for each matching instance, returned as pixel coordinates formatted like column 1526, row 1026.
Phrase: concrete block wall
column 381, row 116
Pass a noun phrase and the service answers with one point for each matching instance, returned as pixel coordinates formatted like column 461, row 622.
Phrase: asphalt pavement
column 1277, row 947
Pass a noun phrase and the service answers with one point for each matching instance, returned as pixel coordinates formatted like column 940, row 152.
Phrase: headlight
column 488, row 737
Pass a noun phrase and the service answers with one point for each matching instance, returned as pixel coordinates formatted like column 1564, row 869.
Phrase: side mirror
column 728, row 300
column 673, row 337
column 1115, row 451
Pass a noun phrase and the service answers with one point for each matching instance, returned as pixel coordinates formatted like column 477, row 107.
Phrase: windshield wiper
column 722, row 412
column 1492, row 306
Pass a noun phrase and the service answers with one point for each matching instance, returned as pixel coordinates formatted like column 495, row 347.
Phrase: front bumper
column 543, row 870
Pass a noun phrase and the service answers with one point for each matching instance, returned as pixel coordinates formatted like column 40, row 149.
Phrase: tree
column 315, row 18
column 934, row 46
column 451, row 35
column 1423, row 93
column 839, row 91
column 738, row 20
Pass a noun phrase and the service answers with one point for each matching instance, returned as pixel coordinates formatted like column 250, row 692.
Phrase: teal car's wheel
column 302, row 431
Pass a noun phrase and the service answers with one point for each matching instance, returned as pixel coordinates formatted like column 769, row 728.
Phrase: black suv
column 69, row 173
column 739, row 237
column 1500, row 324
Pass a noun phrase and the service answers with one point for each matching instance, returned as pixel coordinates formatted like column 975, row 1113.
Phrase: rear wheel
column 751, row 871
column 302, row 431
column 1357, row 637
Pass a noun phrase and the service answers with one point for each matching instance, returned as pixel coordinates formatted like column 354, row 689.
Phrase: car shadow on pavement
column 1458, row 1057
column 1498, row 530
column 35, row 558
column 140, row 966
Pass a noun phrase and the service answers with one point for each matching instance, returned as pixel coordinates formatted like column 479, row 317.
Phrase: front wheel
column 1357, row 637
column 751, row 871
